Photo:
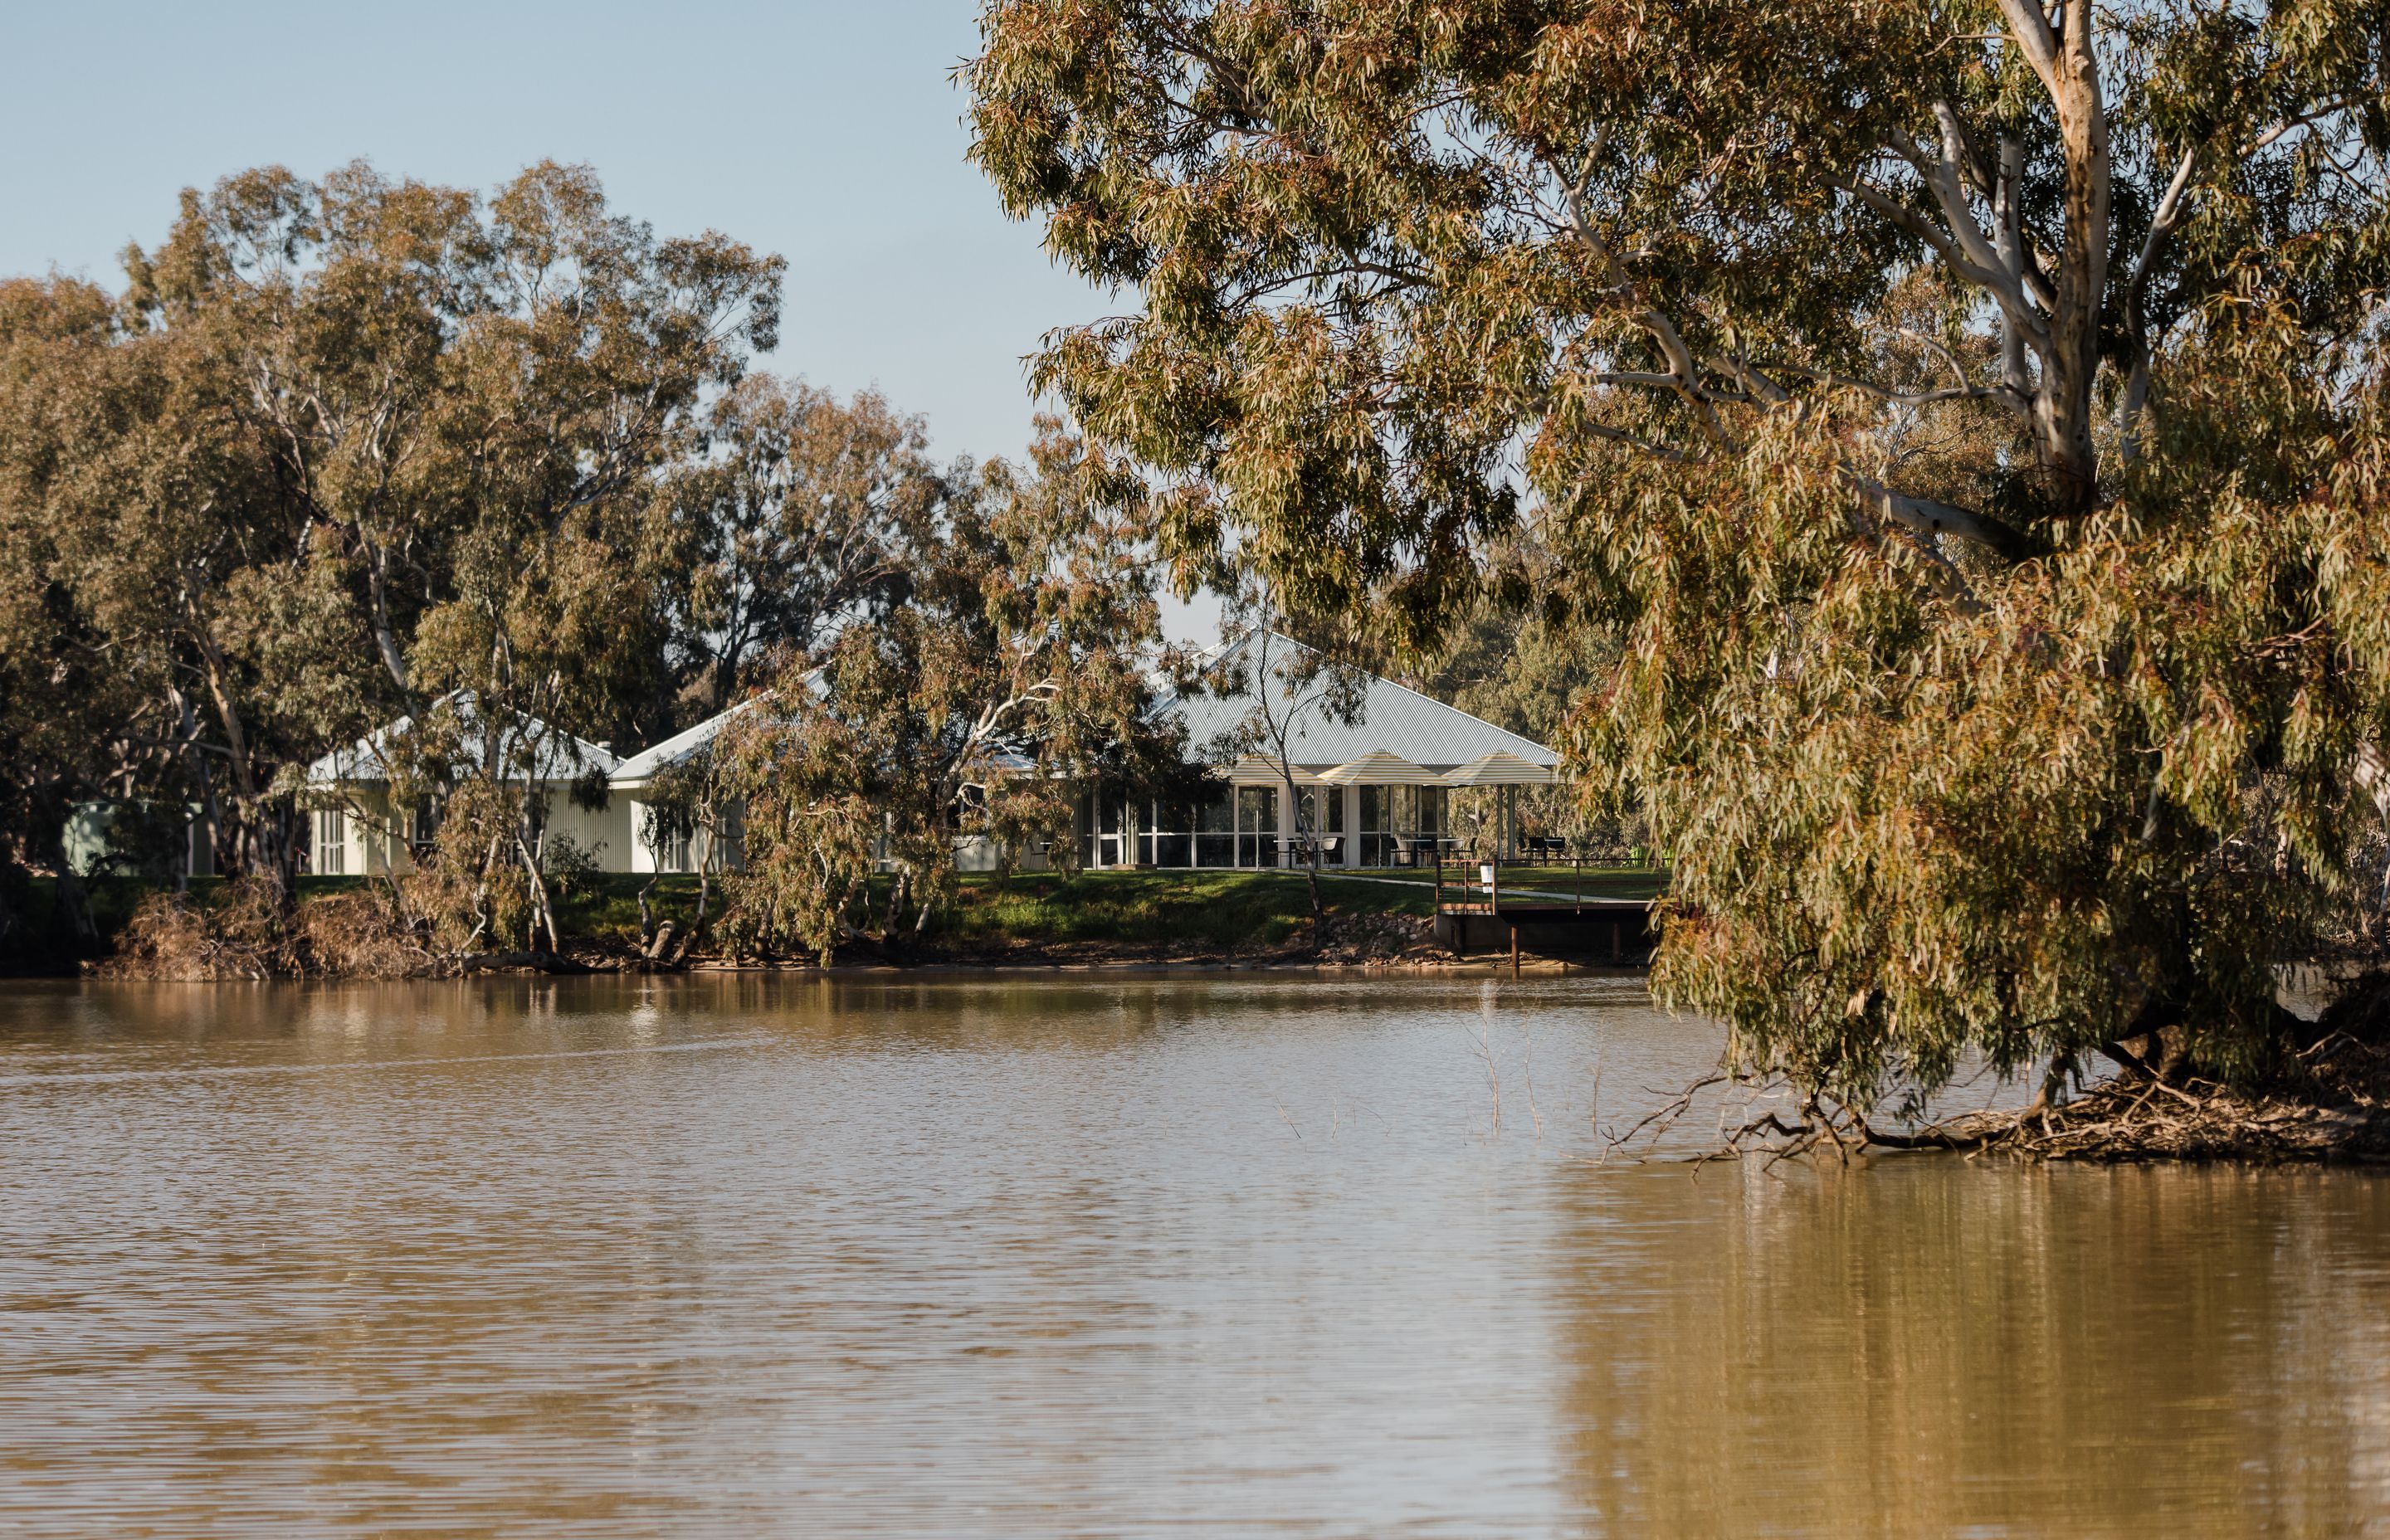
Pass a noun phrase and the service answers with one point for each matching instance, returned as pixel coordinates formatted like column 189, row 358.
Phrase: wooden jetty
column 1475, row 917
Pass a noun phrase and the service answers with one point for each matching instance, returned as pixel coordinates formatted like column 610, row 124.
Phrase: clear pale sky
column 829, row 134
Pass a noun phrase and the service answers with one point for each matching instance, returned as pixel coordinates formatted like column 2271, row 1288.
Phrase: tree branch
column 1931, row 518
column 2007, row 290
column 2034, row 39
column 1899, row 398
column 2162, row 221
column 1682, row 369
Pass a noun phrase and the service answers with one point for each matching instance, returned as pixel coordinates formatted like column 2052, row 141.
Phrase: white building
column 355, row 828
column 1374, row 790
column 655, row 846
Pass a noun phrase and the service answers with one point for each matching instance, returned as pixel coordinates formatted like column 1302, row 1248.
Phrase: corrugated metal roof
column 1499, row 769
column 1392, row 719
column 644, row 766
column 648, row 762
column 562, row 755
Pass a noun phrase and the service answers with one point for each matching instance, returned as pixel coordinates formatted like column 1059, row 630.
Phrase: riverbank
column 2329, row 1103
column 1022, row 919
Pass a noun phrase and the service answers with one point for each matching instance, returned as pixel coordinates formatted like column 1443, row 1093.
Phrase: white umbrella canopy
column 1380, row 768
column 1257, row 770
column 1501, row 769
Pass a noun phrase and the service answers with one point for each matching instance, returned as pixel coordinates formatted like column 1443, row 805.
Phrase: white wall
column 606, row 834
column 643, row 856
column 977, row 853
column 373, row 838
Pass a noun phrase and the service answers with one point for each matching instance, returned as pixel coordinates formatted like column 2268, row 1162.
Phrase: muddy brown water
column 1101, row 1255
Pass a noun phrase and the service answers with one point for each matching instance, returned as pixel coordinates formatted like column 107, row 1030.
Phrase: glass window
column 733, row 834
column 1168, row 837
column 1323, row 809
column 332, row 842
column 1113, row 841
column 1257, row 826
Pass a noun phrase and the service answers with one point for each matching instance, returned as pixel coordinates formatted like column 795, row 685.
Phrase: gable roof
column 1393, row 720
column 562, row 756
column 687, row 744
column 679, row 748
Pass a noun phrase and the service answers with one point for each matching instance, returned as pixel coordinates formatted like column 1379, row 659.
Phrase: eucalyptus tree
column 343, row 447
column 71, row 703
column 580, row 379
column 190, row 619
column 1524, row 656
column 1013, row 673
column 1285, row 688
column 1969, row 413
column 800, row 511
column 330, row 312
column 51, row 752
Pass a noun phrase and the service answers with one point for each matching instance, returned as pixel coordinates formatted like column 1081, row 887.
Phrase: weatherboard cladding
column 1394, row 720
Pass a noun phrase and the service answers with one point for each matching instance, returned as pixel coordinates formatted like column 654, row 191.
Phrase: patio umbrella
column 1500, row 768
column 1256, row 770
column 1506, row 771
column 1380, row 768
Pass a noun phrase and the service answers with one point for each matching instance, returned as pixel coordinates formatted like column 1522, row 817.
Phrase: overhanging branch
column 1927, row 517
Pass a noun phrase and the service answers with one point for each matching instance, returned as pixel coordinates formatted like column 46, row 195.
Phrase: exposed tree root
column 2327, row 1101
column 2341, row 1114
column 2336, row 1107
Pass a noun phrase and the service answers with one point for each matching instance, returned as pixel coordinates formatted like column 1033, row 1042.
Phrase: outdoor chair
column 1295, row 849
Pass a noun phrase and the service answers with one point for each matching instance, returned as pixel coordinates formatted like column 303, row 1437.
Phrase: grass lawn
column 1179, row 912
column 1188, row 911
column 605, row 905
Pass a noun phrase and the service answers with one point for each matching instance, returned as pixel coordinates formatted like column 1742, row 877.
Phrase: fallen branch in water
column 2326, row 1101
column 2336, row 1107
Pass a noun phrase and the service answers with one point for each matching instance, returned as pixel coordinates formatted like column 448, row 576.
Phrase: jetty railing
column 1469, row 888
column 1488, row 877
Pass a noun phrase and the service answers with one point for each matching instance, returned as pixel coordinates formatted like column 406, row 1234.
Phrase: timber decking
column 1615, row 931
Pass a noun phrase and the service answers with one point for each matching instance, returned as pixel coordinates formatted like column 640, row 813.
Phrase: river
column 1054, row 1254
